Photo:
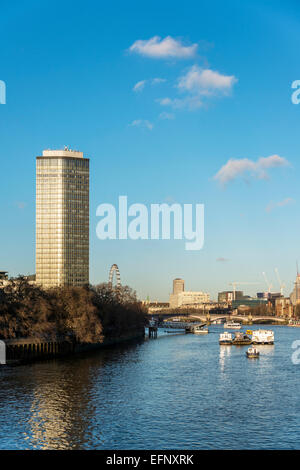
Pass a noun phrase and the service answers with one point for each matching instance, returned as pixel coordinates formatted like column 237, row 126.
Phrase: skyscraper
column 62, row 218
column 178, row 286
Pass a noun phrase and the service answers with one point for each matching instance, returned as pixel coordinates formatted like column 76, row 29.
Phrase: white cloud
column 139, row 86
column 163, row 48
column 269, row 162
column 239, row 167
column 205, row 81
column 222, row 260
column 196, row 86
column 284, row 202
column 189, row 102
column 155, row 81
column 142, row 123
column 165, row 115
column 165, row 101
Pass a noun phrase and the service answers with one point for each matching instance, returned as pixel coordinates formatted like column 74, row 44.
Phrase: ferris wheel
column 114, row 269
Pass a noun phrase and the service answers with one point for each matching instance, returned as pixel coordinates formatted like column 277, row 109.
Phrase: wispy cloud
column 205, row 81
column 165, row 115
column 158, row 48
column 189, row 102
column 139, row 86
column 239, row 167
column 157, row 80
column 222, row 260
column 142, row 123
column 284, row 202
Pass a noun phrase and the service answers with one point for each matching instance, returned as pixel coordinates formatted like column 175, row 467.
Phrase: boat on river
column 252, row 353
column 241, row 338
column 225, row 338
column 263, row 337
column 200, row 330
column 231, row 325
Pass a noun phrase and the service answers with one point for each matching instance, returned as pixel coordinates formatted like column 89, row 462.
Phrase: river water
column 174, row 392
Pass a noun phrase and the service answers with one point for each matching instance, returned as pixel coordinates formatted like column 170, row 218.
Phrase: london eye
column 114, row 270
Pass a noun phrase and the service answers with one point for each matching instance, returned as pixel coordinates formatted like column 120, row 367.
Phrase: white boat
column 231, row 325
column 200, row 331
column 216, row 322
column 263, row 337
column 252, row 353
column 225, row 338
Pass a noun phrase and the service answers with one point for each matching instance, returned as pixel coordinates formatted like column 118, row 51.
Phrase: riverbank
column 27, row 350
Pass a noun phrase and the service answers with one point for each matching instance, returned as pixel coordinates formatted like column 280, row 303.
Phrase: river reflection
column 225, row 351
column 181, row 391
column 59, row 409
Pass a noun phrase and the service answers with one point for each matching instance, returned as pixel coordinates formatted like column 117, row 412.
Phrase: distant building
column 283, row 307
column 273, row 296
column 3, row 278
column 192, row 298
column 4, row 281
column 262, row 295
column 227, row 296
column 295, row 295
column 248, row 302
column 181, row 298
column 178, row 286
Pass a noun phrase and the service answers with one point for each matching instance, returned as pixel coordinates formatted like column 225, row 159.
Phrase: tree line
column 83, row 314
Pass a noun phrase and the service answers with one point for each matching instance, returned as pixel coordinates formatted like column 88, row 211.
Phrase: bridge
column 211, row 318
column 175, row 325
column 203, row 316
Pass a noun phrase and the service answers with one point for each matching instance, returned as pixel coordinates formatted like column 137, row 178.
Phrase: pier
column 31, row 348
column 152, row 331
column 187, row 327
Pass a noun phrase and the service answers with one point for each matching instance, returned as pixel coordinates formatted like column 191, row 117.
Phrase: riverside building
column 62, row 218
column 180, row 297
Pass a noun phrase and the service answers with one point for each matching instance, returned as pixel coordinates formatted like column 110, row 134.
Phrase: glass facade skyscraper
column 62, row 218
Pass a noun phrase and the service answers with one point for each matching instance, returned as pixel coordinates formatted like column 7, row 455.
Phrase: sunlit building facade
column 180, row 297
column 178, row 286
column 295, row 295
column 62, row 218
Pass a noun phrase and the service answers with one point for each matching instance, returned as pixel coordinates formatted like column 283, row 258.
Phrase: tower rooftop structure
column 66, row 152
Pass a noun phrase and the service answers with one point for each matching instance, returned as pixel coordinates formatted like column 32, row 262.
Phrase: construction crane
column 269, row 285
column 281, row 284
column 237, row 283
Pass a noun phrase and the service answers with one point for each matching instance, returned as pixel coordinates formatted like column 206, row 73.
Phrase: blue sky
column 224, row 89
